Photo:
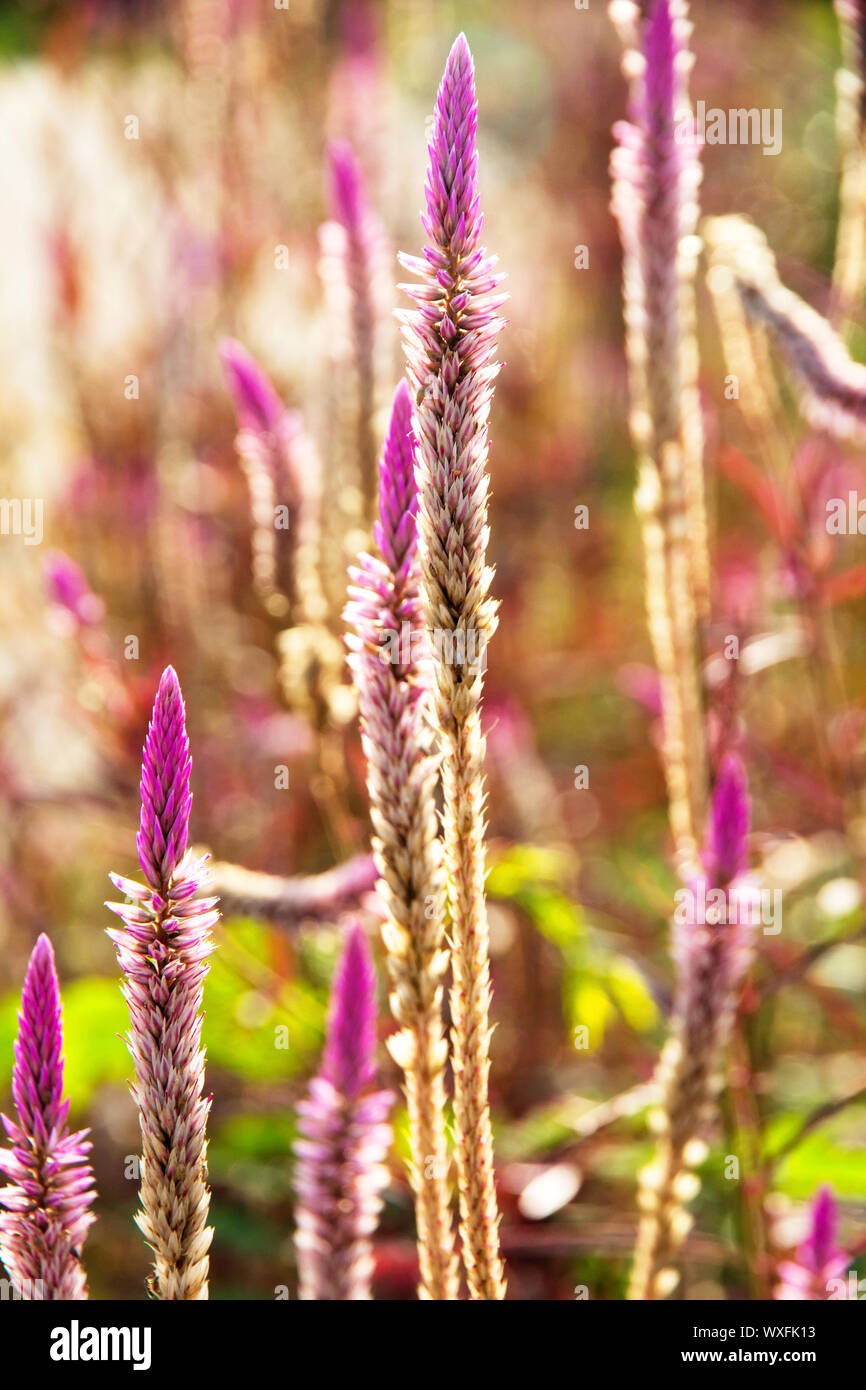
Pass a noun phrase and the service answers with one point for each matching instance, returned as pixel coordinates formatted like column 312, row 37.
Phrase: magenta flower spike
column 354, row 256
column 44, row 1209
column 656, row 176
column 712, row 942
column 712, row 939
column 395, row 529
column 389, row 659
column 726, row 854
column 348, row 199
column 450, row 339
column 162, row 949
column 815, row 1271
column 349, row 1060
column 257, row 406
column 68, row 588
column 165, row 795
column 384, row 602
column 655, row 169
column 340, row 1171
column 264, row 445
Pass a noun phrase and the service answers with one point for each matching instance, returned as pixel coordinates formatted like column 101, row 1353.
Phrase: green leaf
column 248, row 1013
column 632, row 995
column 819, row 1159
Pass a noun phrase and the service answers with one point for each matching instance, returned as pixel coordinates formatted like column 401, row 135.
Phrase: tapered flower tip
column 725, row 856
column 398, row 492
column 165, row 794
column 41, row 967
column 401, row 406
column 460, row 57
column 660, row 49
column 359, row 29
column 168, row 694
column 68, row 588
column 455, row 100
column 452, row 218
column 349, row 1059
column 37, row 1080
column 819, row 1245
column 345, row 185
column 256, row 403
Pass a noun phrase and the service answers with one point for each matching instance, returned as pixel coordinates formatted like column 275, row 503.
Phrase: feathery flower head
column 384, row 607
column 37, row 1079
column 656, row 175
column 660, row 49
column 280, row 466
column 354, row 274
column 163, row 949
column 323, row 897
column 346, row 189
column 340, row 1170
column 360, row 31
column 819, row 1245
column 655, row 169
column 818, row 1261
column 456, row 305
column 350, row 1051
column 711, row 934
column 257, row 405
column 165, row 795
column 395, row 529
column 44, row 1209
column 69, row 589
column 711, row 945
column 833, row 395
column 452, row 173
column 450, row 339
column 725, row 855
column 654, row 34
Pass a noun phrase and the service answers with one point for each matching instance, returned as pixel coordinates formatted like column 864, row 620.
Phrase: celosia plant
column 816, row 1268
column 576, row 935
column 353, row 246
column 711, row 943
column 655, row 182
column 340, row 1172
column 390, row 660
column 833, row 386
column 450, row 343
column 68, row 589
column 45, row 1206
column 162, row 949
column 263, row 440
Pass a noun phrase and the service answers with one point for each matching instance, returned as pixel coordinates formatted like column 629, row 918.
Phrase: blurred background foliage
column 128, row 257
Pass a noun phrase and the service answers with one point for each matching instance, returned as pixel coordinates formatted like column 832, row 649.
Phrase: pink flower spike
column 340, row 1170
column 163, row 948
column 44, row 1208
column 814, row 1274
column 257, row 406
